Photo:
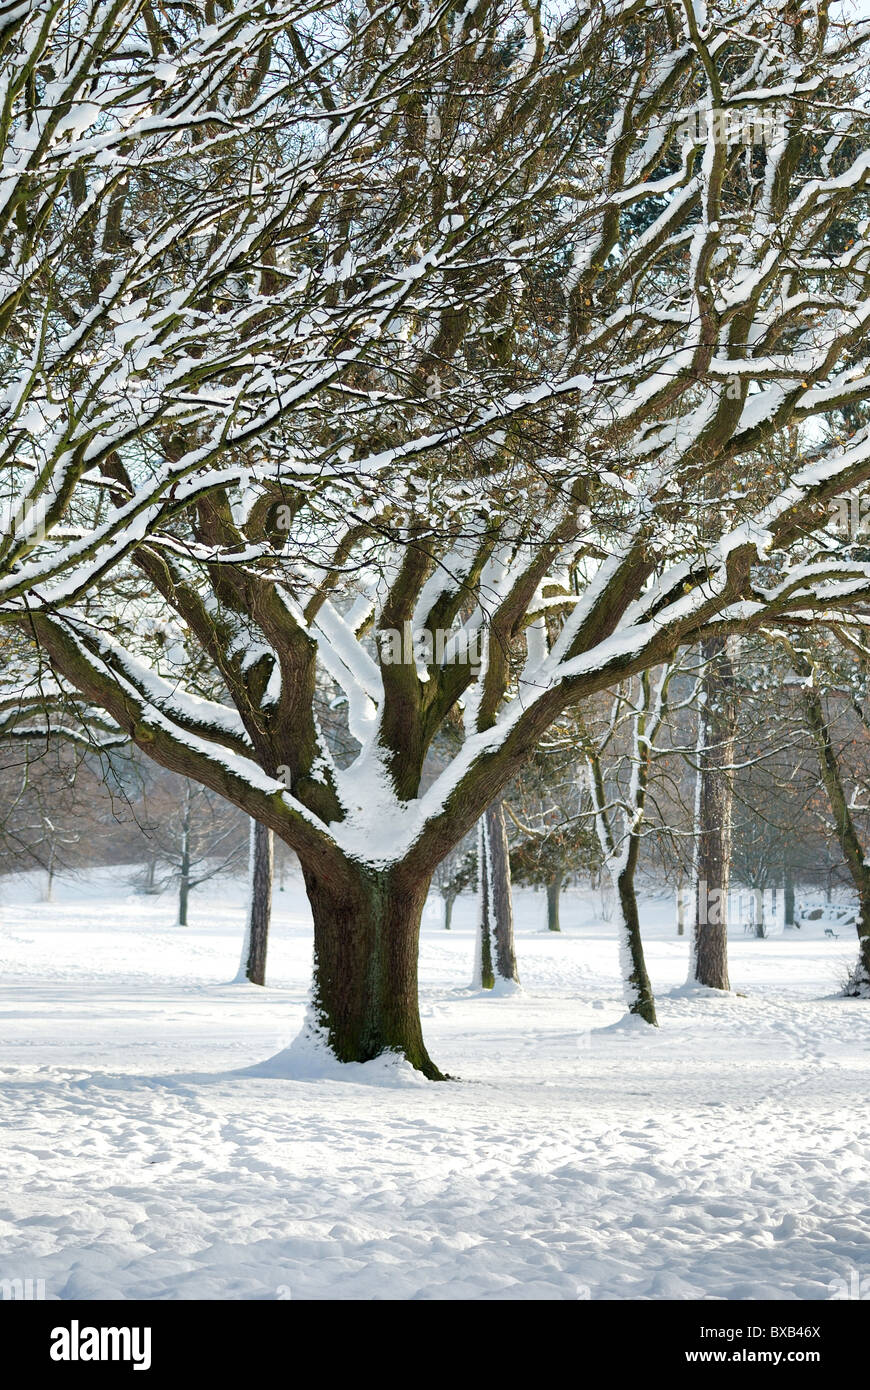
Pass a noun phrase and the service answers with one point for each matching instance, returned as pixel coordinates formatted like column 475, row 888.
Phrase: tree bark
column 483, row 976
column 184, row 879
column 262, row 852
column 757, row 911
column 366, row 941
column 554, row 889
column 502, row 896
column 716, row 734
column 49, row 881
column 621, row 866
column 497, row 954
column 636, row 981
column 788, row 897
column 846, row 831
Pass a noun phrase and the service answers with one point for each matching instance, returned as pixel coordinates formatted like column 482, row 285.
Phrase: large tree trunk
column 496, row 956
column 366, row 940
column 716, row 733
column 554, row 889
column 847, row 833
column 253, row 963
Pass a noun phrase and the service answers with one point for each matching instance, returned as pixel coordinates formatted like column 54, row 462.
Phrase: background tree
column 717, row 730
column 848, row 811
column 255, row 944
column 554, row 841
column 193, row 834
column 619, row 757
column 456, row 874
column 495, row 958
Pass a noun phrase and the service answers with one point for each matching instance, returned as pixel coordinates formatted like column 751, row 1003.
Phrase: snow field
column 148, row 1152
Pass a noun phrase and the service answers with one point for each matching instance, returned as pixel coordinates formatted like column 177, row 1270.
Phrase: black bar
column 629, row 1340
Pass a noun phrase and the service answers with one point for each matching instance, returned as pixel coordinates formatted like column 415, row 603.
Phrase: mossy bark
column 366, row 940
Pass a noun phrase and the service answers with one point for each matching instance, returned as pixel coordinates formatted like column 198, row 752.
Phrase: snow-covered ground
column 723, row 1156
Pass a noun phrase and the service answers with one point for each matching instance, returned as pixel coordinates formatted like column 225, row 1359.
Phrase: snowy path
column 724, row 1156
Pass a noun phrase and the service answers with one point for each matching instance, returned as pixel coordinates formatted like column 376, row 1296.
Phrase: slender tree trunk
column 483, row 977
column 681, row 906
column 554, row 890
column 366, row 941
column 497, row 955
column 502, row 896
column 788, row 896
column 449, row 900
column 622, row 863
column 638, row 989
column 184, row 880
column 49, row 870
column 716, row 733
column 847, row 833
column 183, row 895
column 253, row 962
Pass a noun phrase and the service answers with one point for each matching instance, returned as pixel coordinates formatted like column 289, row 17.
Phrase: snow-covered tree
column 193, row 836
column 515, row 303
column 620, row 758
column 714, row 805
column 846, row 779
column 495, row 959
column 169, row 289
